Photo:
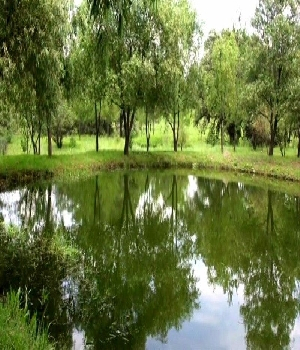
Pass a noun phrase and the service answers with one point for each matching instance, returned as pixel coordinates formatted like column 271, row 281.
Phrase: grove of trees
column 111, row 66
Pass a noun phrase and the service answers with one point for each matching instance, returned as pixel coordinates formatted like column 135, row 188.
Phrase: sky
column 220, row 14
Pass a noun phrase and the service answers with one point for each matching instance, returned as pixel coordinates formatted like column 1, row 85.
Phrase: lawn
column 71, row 162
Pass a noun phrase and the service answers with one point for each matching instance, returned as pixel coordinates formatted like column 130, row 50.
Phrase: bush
column 156, row 141
column 72, row 143
column 182, row 138
column 212, row 137
column 24, row 144
column 18, row 331
column 3, row 145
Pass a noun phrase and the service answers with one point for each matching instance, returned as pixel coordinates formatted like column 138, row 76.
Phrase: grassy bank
column 17, row 332
column 21, row 169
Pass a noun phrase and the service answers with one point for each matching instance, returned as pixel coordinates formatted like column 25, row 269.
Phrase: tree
column 221, row 82
column 276, row 28
column 176, row 53
column 63, row 123
column 35, row 58
column 89, row 62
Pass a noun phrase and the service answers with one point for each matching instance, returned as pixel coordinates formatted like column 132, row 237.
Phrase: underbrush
column 18, row 330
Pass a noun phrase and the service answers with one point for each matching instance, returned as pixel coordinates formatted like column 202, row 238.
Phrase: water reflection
column 153, row 248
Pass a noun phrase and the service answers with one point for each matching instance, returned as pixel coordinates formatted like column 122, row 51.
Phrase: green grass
column 70, row 163
column 17, row 331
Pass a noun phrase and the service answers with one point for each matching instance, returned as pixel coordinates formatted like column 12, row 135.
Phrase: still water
column 156, row 261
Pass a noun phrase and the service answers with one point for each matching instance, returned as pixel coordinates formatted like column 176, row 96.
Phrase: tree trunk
column 97, row 127
column 39, row 137
column 128, row 119
column 175, row 143
column 222, row 136
column 272, row 142
column 34, row 145
column 49, row 135
column 121, row 124
column 175, row 129
column 148, row 131
column 273, row 130
column 27, row 142
column 39, row 140
column 234, row 139
column 299, row 143
column 126, row 145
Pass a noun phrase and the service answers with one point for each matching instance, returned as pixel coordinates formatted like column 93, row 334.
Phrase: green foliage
column 72, row 142
column 272, row 71
column 212, row 136
column 18, row 330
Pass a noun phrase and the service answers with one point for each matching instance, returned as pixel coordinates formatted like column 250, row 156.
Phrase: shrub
column 19, row 331
column 3, row 145
column 72, row 143
column 212, row 137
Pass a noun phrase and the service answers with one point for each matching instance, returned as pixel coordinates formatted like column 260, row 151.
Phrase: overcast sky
column 219, row 14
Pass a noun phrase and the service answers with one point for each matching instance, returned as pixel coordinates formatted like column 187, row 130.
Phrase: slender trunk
column 148, row 127
column 273, row 129
column 39, row 137
column 34, row 145
column 27, row 142
column 126, row 132
column 175, row 143
column 128, row 119
column 271, row 146
column 97, row 127
column 299, row 143
column 126, row 145
column 49, row 135
column 175, row 132
column 234, row 139
column 121, row 124
column 39, row 141
column 222, row 136
column 178, row 126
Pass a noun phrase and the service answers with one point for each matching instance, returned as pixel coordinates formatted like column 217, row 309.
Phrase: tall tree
column 276, row 27
column 222, row 81
column 32, row 40
column 176, row 53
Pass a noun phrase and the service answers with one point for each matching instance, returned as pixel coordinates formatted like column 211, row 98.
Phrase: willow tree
column 124, row 34
column 90, row 68
column 177, row 51
column 222, row 81
column 32, row 41
column 276, row 28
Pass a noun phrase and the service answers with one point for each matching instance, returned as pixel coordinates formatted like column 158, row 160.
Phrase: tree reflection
column 244, row 249
column 130, row 278
column 137, row 235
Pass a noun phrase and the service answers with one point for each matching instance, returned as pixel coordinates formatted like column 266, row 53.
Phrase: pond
column 156, row 261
